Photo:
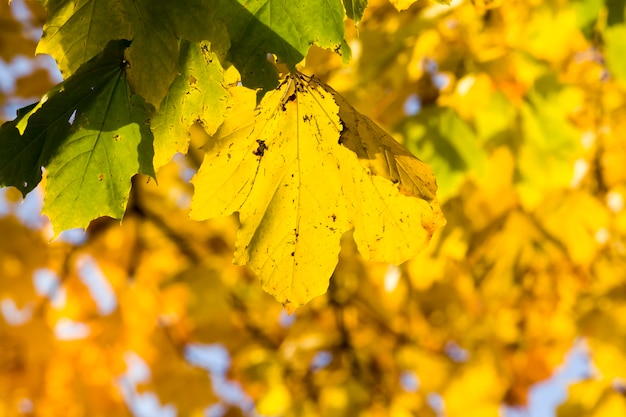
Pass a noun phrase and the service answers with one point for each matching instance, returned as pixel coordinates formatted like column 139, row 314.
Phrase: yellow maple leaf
column 302, row 169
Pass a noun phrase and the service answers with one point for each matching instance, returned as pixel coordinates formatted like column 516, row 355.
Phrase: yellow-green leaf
column 196, row 95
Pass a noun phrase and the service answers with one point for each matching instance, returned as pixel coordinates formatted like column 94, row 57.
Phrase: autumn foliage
column 291, row 166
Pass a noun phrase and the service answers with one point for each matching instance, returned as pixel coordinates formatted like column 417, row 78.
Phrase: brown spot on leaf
column 260, row 150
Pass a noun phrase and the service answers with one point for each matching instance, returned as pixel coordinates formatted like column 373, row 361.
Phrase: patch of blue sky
column 20, row 11
column 76, row 236
column 285, row 319
column 456, row 352
column 230, row 392
column 67, row 329
column 215, row 410
column 29, row 210
column 409, row 381
column 429, row 65
column 21, row 66
column 7, row 81
column 147, row 404
column 9, row 110
column 436, row 403
column 412, row 105
column 144, row 404
column 47, row 62
column 546, row 396
column 321, row 360
column 99, row 287
column 137, row 371
column 13, row 315
column 440, row 80
column 48, row 284
column 214, row 358
column 184, row 170
column 179, row 196
column 33, row 30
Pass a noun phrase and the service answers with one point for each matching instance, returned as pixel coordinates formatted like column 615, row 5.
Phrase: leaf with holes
column 300, row 180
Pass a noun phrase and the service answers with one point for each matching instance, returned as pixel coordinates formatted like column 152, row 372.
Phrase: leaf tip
column 290, row 307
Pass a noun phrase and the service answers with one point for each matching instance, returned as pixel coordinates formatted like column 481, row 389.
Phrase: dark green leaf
column 34, row 136
column 90, row 133
column 355, row 9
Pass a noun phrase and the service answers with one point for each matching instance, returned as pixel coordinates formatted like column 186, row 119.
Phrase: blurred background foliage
column 519, row 106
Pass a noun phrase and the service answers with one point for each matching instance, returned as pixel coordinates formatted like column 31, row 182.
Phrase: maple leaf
column 76, row 31
column 284, row 28
column 245, row 31
column 196, row 95
column 302, row 169
column 90, row 133
column 355, row 9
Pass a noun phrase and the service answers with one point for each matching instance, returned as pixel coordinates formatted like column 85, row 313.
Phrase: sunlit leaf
column 300, row 177
column 285, row 29
column 91, row 134
column 196, row 95
column 77, row 31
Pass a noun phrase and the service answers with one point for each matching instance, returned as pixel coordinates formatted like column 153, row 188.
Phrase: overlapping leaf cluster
column 139, row 75
column 519, row 108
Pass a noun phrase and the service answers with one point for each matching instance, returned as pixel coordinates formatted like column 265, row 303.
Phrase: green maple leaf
column 75, row 31
column 90, row 133
column 284, row 28
column 243, row 32
column 355, row 9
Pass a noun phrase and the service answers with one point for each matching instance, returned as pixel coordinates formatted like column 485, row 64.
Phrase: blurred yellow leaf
column 477, row 391
column 593, row 398
column 402, row 4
